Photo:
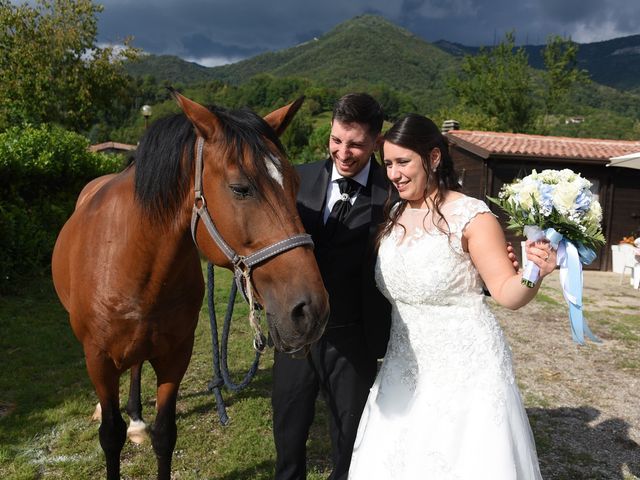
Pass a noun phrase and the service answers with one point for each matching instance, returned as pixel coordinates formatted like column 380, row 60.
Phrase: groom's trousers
column 341, row 368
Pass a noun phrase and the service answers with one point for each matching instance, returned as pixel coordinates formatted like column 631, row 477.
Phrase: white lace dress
column 445, row 404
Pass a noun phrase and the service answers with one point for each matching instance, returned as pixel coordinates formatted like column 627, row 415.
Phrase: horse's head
column 246, row 186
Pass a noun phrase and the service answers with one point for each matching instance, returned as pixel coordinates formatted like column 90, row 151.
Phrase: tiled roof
column 111, row 146
column 486, row 144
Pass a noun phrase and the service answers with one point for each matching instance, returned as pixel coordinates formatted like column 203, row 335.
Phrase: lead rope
column 259, row 341
column 221, row 375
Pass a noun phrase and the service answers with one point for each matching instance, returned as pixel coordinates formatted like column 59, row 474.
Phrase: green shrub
column 42, row 170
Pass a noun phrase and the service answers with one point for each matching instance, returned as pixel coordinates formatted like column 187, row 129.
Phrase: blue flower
column 583, row 200
column 546, row 196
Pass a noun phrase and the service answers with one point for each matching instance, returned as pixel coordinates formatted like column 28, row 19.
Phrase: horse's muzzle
column 303, row 325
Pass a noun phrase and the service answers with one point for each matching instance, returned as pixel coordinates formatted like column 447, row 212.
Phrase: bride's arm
column 485, row 241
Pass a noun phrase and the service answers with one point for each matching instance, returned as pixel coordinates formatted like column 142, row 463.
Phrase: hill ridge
column 375, row 44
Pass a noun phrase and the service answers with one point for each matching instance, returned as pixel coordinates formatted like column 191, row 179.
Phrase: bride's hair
column 419, row 134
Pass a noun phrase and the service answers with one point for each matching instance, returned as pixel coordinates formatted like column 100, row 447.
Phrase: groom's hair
column 359, row 108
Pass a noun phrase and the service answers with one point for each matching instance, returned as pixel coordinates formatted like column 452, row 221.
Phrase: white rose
column 564, row 196
column 567, row 175
column 528, row 193
column 549, row 176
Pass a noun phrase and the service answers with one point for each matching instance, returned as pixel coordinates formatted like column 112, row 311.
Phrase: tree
column 469, row 120
column 296, row 137
column 51, row 69
column 497, row 83
column 561, row 72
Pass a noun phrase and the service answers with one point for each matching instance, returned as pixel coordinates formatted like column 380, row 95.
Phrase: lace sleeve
column 474, row 207
column 462, row 212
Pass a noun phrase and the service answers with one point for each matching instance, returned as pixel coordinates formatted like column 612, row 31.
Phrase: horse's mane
column 162, row 177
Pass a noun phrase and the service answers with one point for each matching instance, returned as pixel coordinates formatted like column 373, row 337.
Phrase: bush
column 42, row 170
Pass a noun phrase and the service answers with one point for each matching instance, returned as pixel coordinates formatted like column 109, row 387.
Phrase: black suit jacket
column 356, row 252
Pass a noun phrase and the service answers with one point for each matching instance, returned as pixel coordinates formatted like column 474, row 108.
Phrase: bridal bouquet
column 559, row 206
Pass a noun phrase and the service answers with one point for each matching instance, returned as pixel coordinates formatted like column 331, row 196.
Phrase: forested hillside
column 615, row 63
column 405, row 73
column 356, row 55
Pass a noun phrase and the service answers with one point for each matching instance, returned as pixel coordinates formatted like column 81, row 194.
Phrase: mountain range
column 615, row 63
column 369, row 50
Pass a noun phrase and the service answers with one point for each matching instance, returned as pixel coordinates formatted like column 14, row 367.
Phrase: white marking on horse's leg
column 97, row 413
column 272, row 167
column 137, row 431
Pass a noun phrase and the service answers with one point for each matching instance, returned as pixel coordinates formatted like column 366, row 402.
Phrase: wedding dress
column 445, row 404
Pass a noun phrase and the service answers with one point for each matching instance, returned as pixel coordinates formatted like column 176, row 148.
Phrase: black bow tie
column 340, row 209
column 348, row 187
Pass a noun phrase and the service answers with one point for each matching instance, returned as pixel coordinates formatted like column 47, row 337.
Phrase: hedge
column 42, row 170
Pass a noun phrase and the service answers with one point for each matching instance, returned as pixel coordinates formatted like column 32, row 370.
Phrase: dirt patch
column 583, row 401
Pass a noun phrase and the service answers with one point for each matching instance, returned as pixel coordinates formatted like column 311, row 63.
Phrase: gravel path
column 583, row 401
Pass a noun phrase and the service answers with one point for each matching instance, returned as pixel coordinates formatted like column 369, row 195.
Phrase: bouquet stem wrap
column 534, row 233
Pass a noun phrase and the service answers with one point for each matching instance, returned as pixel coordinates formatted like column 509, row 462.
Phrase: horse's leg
column 105, row 378
column 137, row 431
column 169, row 371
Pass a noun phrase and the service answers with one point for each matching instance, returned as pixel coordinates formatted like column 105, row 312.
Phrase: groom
column 340, row 203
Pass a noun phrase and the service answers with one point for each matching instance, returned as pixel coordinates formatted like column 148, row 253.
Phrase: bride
column 445, row 404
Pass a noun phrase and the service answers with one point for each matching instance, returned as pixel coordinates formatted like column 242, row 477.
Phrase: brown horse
column 126, row 268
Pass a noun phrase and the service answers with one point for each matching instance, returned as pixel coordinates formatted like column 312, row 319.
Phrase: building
column 487, row 160
column 112, row 147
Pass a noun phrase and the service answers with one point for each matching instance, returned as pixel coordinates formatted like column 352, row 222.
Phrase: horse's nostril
column 309, row 316
column 300, row 311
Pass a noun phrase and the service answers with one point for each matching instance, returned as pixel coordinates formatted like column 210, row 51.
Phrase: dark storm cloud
column 200, row 45
column 219, row 31
column 569, row 10
column 191, row 29
column 592, row 20
column 479, row 22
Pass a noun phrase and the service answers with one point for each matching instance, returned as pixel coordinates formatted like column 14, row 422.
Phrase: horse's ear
column 204, row 121
column 280, row 119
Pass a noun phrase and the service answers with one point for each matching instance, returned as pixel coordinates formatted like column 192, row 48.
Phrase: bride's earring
column 435, row 160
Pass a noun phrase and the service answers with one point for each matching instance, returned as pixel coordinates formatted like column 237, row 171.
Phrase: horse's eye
column 240, row 191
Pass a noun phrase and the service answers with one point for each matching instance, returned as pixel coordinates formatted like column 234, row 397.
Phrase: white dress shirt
column 333, row 191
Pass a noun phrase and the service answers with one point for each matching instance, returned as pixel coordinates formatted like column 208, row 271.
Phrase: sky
column 216, row 32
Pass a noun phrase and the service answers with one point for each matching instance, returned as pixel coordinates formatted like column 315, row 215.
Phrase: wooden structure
column 112, row 147
column 487, row 160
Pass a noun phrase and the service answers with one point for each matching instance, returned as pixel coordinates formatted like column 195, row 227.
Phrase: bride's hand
column 543, row 255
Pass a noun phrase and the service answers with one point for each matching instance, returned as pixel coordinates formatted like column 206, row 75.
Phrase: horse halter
column 242, row 264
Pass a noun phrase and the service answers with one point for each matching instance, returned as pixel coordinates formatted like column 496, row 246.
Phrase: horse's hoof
column 137, row 432
column 97, row 414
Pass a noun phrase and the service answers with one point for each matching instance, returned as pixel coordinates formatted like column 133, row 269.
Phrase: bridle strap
column 200, row 210
column 277, row 248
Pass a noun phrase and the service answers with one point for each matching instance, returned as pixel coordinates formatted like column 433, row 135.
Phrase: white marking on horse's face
column 272, row 166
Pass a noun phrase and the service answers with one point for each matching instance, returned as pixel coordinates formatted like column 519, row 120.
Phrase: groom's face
column 351, row 146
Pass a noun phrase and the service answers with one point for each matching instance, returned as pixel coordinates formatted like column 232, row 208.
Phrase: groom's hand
column 514, row 262
column 512, row 257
